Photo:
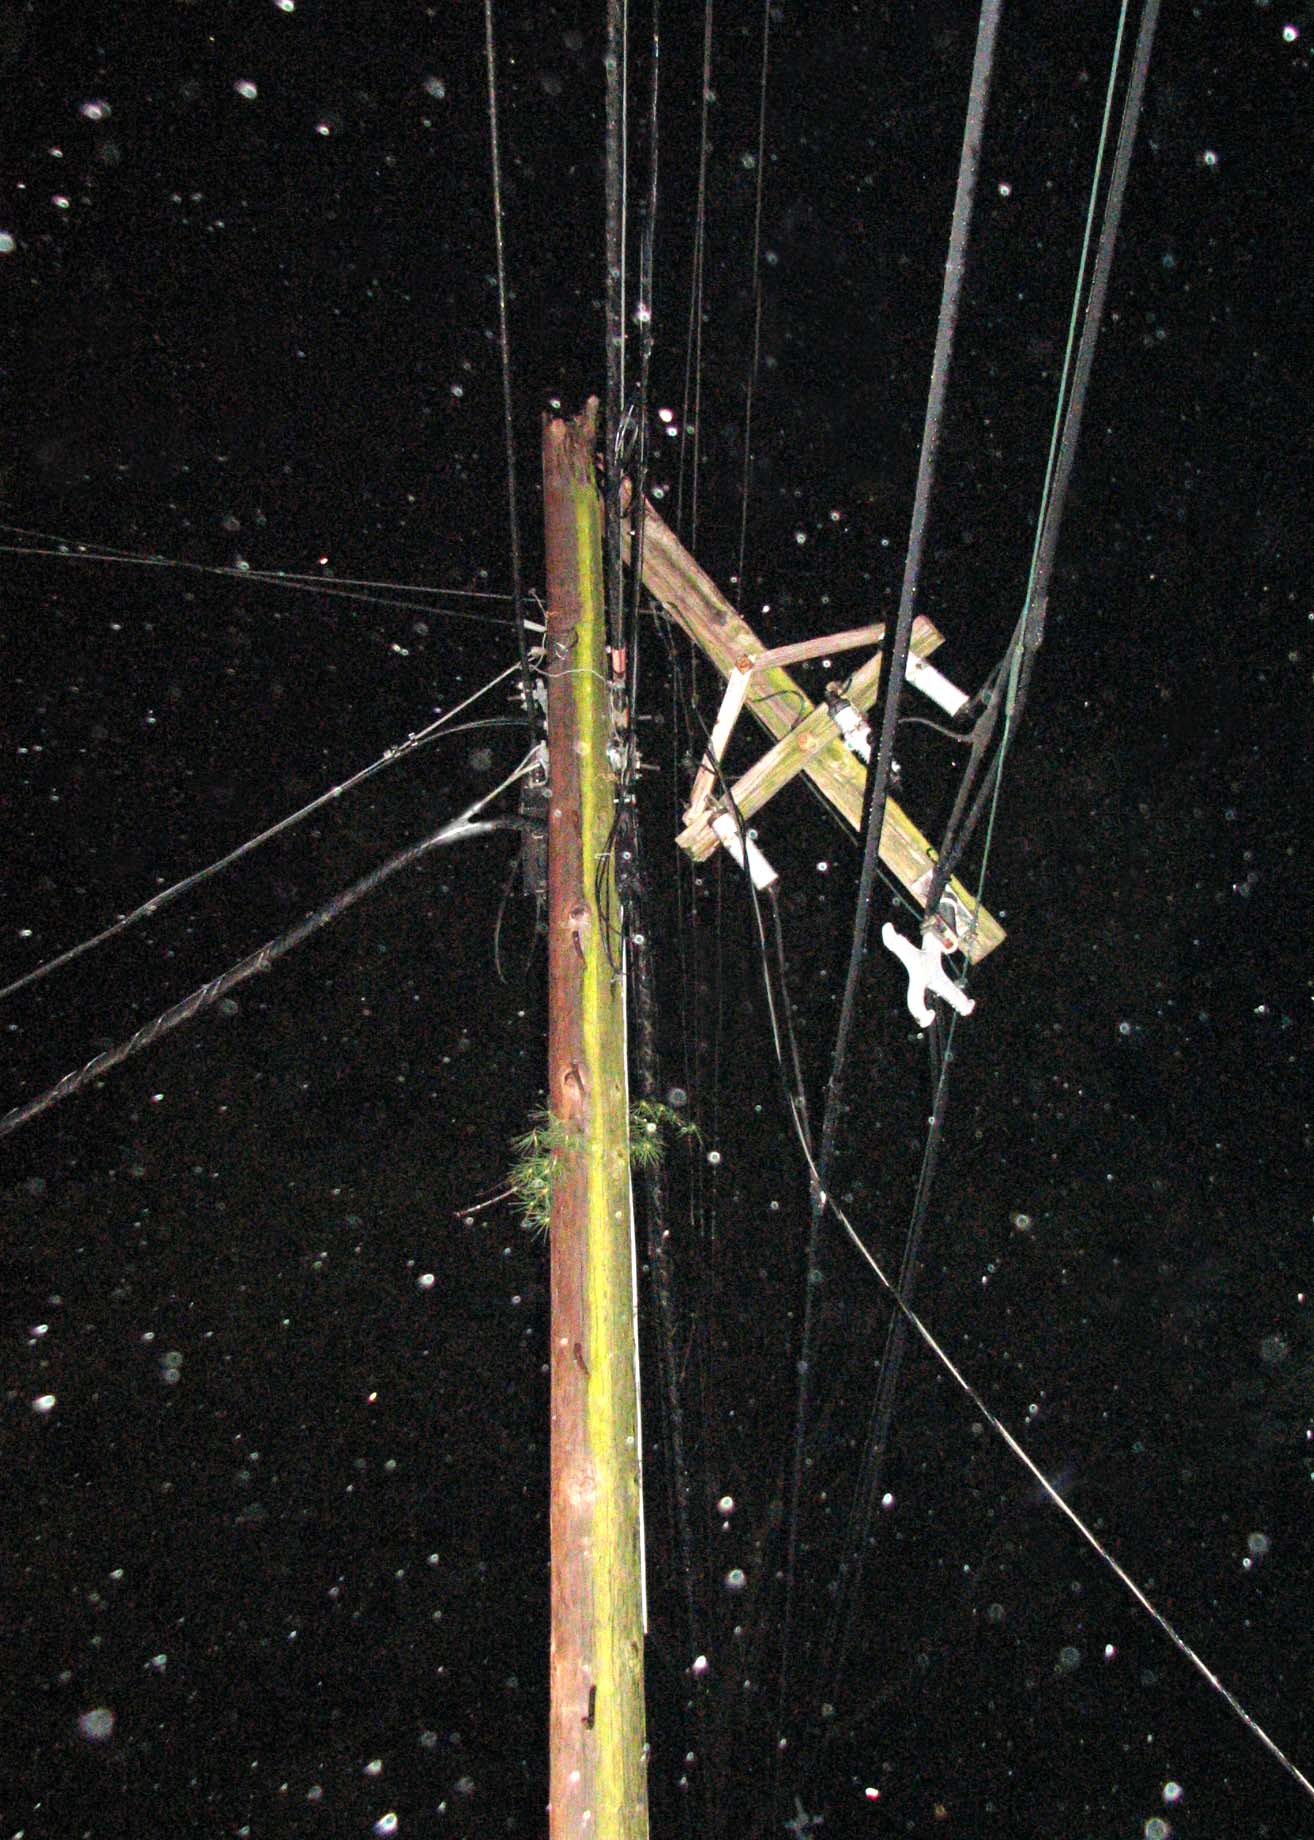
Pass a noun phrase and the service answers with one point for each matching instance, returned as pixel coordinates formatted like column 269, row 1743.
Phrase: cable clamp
column 855, row 730
column 926, row 972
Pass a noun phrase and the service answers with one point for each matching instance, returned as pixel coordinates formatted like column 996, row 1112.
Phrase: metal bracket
column 953, row 921
column 535, row 800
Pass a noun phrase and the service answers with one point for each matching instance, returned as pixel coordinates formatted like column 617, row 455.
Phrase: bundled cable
column 456, row 830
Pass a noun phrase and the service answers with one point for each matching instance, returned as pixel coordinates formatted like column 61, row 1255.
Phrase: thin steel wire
column 616, row 184
column 693, row 350
column 750, row 388
column 1001, row 1430
column 504, row 347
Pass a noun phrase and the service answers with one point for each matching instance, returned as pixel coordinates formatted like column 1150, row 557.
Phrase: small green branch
column 652, row 1126
column 530, row 1177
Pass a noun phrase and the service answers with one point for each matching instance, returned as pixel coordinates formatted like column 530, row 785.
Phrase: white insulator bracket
column 926, row 972
column 727, row 833
column 936, row 685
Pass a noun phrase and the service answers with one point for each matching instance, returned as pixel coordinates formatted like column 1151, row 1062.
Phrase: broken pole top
column 807, row 738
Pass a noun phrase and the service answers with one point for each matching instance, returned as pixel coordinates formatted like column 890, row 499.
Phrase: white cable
column 1179, row 1642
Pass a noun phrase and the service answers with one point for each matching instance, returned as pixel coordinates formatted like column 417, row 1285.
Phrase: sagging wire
column 695, row 1375
column 783, row 1033
column 456, row 830
column 1001, row 1430
column 878, row 791
column 701, row 1205
column 627, row 930
column 981, row 737
column 784, row 1039
column 504, row 346
column 847, row 1584
column 644, row 319
column 781, row 1037
column 388, row 758
column 528, row 822
column 906, row 1313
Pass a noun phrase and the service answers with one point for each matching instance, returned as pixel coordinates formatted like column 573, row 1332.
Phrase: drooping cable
column 697, row 1352
column 779, row 1011
column 896, row 666
column 1052, row 1494
column 878, row 790
column 847, row 1585
column 504, row 346
column 788, row 1062
column 755, row 352
column 1007, row 685
column 166, row 896
column 456, row 830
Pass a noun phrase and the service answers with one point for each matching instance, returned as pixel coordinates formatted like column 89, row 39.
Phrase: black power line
column 879, row 784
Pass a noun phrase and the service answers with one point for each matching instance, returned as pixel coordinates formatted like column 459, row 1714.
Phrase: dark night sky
column 286, row 1520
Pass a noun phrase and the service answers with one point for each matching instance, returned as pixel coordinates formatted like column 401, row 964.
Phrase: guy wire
column 692, row 404
column 617, row 168
column 756, row 348
column 644, row 313
column 504, row 344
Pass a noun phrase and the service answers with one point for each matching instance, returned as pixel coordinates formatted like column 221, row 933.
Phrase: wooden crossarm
column 800, row 746
column 806, row 738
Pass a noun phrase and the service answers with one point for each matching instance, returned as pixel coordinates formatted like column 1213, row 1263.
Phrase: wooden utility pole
column 597, row 1760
